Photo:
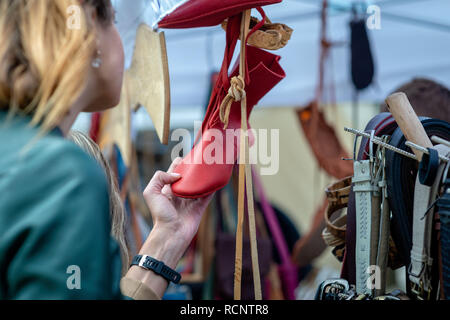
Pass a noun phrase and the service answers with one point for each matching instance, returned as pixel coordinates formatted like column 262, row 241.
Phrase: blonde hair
column 117, row 211
column 43, row 62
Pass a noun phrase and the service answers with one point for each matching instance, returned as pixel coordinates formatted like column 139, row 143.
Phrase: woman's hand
column 177, row 216
column 176, row 222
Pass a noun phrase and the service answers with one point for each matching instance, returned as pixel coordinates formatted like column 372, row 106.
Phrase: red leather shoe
column 206, row 13
column 201, row 178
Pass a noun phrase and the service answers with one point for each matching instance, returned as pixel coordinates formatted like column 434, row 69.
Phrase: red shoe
column 206, row 13
column 200, row 178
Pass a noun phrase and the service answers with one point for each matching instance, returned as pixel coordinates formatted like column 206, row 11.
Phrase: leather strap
column 401, row 175
column 421, row 259
column 382, row 124
column 428, row 167
column 362, row 187
column 245, row 176
column 384, row 229
column 158, row 267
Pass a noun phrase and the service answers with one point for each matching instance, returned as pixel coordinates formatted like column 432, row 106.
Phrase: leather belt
column 337, row 196
column 420, row 268
column 382, row 124
column 362, row 187
column 401, row 177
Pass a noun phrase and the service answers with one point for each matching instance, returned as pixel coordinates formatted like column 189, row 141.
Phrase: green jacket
column 55, row 227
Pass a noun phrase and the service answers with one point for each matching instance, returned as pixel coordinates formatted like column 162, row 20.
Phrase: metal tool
column 380, row 142
column 425, row 150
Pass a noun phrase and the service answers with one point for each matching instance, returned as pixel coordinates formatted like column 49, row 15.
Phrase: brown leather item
column 319, row 134
column 337, row 195
column 334, row 232
column 271, row 36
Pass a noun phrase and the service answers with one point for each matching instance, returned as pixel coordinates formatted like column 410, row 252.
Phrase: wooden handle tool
column 408, row 121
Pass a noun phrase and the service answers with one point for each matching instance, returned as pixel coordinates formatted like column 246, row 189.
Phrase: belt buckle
column 419, row 291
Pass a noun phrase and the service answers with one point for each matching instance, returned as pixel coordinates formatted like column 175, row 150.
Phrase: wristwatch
column 158, row 267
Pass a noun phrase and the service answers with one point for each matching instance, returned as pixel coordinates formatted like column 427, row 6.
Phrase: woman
column 57, row 59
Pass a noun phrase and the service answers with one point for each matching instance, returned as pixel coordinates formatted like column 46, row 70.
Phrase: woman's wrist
column 162, row 244
column 165, row 245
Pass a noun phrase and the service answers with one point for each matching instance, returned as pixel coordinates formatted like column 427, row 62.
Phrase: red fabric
column 206, row 13
column 95, row 126
column 199, row 178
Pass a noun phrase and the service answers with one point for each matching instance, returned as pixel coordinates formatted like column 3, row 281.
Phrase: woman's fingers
column 174, row 164
column 159, row 180
column 166, row 190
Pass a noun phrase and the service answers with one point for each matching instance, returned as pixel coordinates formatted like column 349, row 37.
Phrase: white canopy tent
column 414, row 40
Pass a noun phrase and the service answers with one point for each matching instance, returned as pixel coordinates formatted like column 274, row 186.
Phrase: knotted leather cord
column 245, row 174
column 236, row 92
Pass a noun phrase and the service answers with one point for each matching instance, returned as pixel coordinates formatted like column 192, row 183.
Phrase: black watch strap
column 157, row 267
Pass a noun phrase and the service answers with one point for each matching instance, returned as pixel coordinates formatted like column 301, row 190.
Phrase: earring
column 97, row 62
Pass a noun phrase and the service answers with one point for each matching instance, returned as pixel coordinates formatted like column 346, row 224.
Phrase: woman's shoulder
column 49, row 166
column 64, row 156
column 25, row 149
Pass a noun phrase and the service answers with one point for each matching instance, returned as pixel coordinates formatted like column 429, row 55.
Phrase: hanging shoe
column 207, row 13
column 202, row 177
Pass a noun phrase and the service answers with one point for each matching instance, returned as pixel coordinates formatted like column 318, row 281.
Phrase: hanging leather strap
column 363, row 198
column 245, row 174
column 236, row 91
column 384, row 227
column 421, row 261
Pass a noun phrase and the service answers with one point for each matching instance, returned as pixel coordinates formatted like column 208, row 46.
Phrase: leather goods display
column 401, row 177
column 382, row 124
column 401, row 174
column 207, row 13
column 394, row 191
column 200, row 178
